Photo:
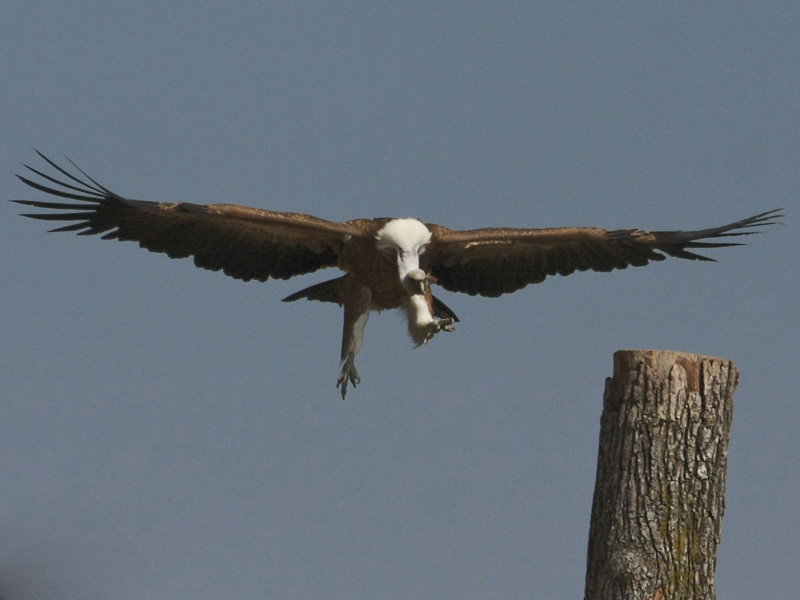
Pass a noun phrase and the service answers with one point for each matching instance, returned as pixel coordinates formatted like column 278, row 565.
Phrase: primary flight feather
column 388, row 263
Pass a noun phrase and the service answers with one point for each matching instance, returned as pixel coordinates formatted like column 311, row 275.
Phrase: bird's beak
column 416, row 282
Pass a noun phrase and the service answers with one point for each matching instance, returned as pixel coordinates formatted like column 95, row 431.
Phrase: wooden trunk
column 660, row 489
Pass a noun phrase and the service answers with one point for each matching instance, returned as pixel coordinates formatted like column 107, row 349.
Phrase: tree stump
column 660, row 490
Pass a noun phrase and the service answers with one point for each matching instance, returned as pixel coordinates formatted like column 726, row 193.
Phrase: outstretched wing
column 245, row 243
column 491, row 262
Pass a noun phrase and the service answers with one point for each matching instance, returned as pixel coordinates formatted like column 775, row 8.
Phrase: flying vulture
column 387, row 263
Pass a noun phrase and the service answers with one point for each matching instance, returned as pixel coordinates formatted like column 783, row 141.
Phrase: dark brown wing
column 491, row 262
column 245, row 243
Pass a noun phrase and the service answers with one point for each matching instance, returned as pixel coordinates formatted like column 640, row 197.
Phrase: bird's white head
column 406, row 239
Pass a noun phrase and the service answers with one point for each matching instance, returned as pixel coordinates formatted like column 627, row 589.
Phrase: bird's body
column 387, row 263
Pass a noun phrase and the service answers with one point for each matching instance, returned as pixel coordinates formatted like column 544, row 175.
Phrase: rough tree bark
column 660, row 490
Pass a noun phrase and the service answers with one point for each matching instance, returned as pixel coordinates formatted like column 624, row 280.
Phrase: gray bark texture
column 660, row 490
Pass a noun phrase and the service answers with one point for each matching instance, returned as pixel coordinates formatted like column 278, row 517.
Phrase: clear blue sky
column 168, row 432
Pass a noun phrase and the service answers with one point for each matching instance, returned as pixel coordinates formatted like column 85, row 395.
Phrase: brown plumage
column 388, row 263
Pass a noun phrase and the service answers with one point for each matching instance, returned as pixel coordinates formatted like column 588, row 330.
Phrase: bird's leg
column 422, row 325
column 357, row 301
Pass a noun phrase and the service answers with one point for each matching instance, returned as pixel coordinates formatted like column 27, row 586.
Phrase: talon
column 439, row 325
column 447, row 325
column 348, row 374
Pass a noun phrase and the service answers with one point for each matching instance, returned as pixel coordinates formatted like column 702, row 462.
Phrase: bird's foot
column 438, row 325
column 348, row 374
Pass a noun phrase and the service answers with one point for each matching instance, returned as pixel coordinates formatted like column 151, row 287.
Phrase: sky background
column 168, row 432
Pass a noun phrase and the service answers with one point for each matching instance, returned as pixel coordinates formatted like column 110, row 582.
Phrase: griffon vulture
column 387, row 263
